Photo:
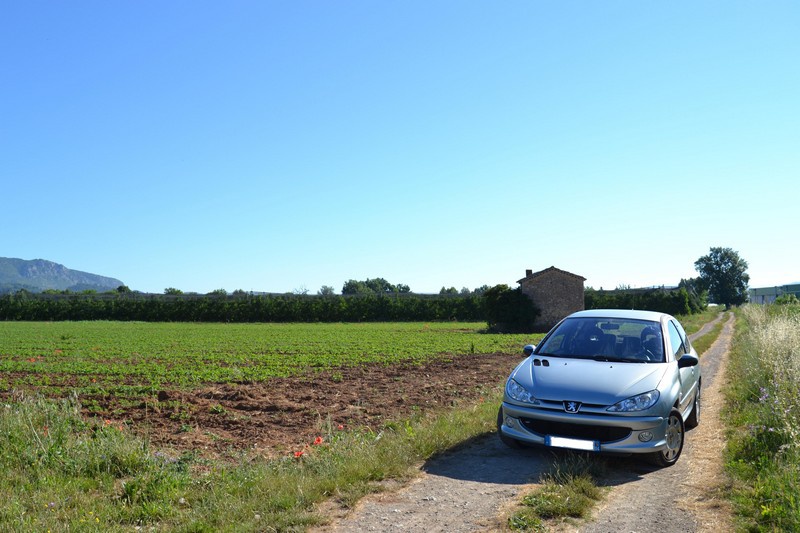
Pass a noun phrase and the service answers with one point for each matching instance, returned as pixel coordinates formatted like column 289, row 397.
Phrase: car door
column 687, row 376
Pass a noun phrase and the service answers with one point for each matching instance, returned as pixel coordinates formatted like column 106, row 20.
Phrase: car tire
column 693, row 420
column 508, row 441
column 675, row 435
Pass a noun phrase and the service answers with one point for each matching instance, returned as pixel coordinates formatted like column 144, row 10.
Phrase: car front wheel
column 674, row 437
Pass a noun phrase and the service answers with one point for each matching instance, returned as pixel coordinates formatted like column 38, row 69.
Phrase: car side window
column 675, row 339
column 686, row 342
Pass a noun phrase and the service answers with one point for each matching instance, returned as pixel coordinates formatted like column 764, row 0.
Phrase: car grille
column 576, row 431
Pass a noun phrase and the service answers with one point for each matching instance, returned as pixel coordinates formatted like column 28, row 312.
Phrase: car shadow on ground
column 485, row 459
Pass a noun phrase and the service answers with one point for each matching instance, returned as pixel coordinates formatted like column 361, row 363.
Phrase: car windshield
column 606, row 339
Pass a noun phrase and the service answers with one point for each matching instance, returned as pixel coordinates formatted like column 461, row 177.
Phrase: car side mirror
column 687, row 360
column 528, row 349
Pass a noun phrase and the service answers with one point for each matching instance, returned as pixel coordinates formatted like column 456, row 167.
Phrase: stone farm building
column 555, row 292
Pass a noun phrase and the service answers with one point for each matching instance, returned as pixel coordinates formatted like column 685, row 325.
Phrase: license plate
column 573, row 444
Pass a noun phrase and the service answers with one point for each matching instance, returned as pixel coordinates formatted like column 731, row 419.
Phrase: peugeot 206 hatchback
column 611, row 381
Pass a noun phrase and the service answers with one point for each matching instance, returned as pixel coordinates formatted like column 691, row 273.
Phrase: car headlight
column 519, row 393
column 636, row 403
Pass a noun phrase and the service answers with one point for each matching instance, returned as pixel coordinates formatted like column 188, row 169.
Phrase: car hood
column 587, row 381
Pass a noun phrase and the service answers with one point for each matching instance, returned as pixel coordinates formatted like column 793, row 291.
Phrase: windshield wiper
column 545, row 354
column 610, row 359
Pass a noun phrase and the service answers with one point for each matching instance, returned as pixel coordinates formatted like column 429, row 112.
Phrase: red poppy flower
column 318, row 441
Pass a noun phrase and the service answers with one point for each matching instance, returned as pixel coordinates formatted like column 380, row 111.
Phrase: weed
column 763, row 452
column 569, row 490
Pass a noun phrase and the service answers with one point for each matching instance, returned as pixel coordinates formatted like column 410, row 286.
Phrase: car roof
column 622, row 313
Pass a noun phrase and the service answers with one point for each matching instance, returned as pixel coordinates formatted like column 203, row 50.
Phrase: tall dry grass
column 774, row 337
column 762, row 408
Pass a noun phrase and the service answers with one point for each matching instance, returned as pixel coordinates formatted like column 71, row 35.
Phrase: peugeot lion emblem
column 572, row 407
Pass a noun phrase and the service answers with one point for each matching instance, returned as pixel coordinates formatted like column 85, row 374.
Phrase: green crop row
column 98, row 356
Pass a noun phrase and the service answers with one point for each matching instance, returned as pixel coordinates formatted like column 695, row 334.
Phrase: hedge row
column 490, row 307
column 671, row 301
column 247, row 308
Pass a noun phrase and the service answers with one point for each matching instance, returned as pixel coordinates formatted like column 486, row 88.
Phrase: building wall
column 767, row 295
column 556, row 293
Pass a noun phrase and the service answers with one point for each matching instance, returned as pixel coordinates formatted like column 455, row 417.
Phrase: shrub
column 509, row 311
column 786, row 299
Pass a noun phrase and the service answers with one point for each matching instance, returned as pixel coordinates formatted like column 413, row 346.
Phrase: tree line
column 131, row 306
column 722, row 277
column 502, row 308
column 680, row 301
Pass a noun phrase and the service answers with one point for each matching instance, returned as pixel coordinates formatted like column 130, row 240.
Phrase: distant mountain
column 39, row 275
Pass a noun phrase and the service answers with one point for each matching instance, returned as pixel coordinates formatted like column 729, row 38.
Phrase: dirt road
column 472, row 488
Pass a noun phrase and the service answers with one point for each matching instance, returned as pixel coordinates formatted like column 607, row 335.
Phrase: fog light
column 645, row 436
column 510, row 422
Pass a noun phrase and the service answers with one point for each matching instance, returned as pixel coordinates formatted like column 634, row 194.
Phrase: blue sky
column 281, row 146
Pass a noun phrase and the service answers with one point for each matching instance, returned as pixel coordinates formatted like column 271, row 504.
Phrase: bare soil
column 284, row 414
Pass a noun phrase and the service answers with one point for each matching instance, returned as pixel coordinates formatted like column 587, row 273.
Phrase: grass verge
column 568, row 491
column 704, row 343
column 763, row 414
column 59, row 472
column 693, row 323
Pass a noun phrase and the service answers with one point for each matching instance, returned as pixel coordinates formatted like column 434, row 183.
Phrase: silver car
column 613, row 381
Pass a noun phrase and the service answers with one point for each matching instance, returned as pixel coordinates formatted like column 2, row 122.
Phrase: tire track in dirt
column 463, row 490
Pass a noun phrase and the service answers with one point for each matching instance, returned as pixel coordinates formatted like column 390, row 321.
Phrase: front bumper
column 608, row 433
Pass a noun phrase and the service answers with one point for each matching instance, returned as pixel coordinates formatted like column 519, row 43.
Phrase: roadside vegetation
column 59, row 472
column 763, row 451
column 693, row 323
column 569, row 491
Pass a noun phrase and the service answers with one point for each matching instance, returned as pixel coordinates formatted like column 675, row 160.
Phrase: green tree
column 786, row 299
column 326, row 290
column 698, row 296
column 509, row 310
column 173, row 291
column 352, row 286
column 380, row 286
column 724, row 274
column 480, row 290
column 373, row 286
